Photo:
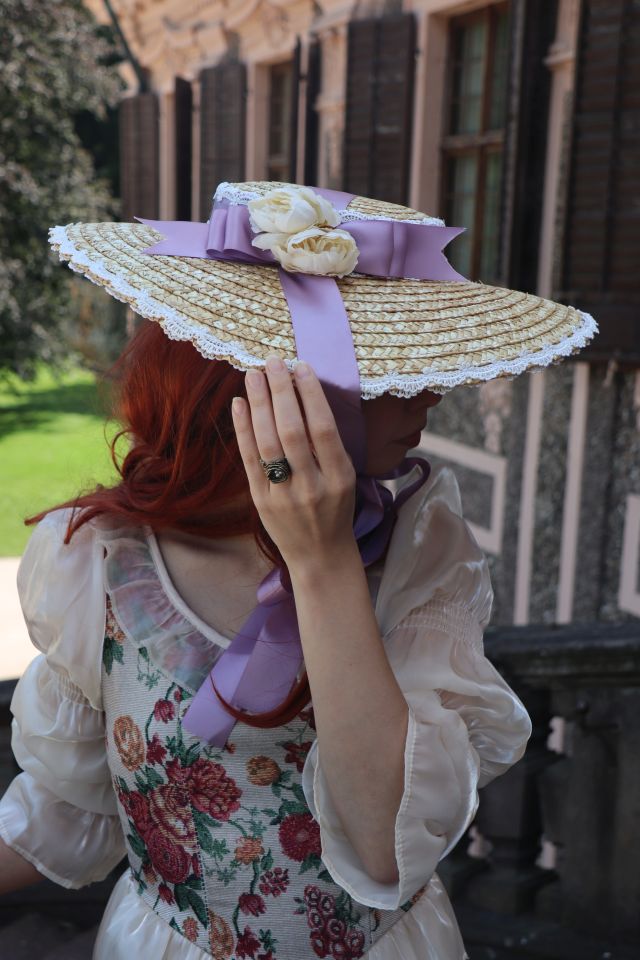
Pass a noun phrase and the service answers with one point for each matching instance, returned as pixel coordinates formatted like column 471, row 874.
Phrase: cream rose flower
column 290, row 210
column 327, row 253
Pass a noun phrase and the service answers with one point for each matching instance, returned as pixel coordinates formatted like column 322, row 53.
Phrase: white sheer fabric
column 466, row 725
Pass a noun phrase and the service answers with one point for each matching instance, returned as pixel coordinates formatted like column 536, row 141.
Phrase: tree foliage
column 53, row 67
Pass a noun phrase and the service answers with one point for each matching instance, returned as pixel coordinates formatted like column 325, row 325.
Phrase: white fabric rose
column 290, row 210
column 327, row 253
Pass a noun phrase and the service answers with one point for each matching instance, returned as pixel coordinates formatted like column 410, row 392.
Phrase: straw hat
column 409, row 335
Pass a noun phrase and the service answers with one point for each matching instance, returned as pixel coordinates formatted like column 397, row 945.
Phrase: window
column 279, row 149
column 472, row 144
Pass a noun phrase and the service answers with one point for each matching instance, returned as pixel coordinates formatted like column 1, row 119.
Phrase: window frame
column 480, row 145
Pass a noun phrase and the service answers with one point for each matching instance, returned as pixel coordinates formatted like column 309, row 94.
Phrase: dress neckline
column 176, row 600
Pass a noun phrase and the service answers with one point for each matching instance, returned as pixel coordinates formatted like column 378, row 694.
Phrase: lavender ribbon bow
column 256, row 672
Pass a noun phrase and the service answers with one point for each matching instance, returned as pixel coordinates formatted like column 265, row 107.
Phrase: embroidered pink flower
column 335, row 929
column 274, row 882
column 251, row 903
column 170, row 812
column 300, row 836
column 172, row 862
column 177, row 695
column 248, row 850
column 312, row 895
column 155, row 750
column 165, row 893
column 350, row 948
column 212, row 791
column 319, row 943
column 247, row 944
column 297, row 753
column 190, row 929
column 164, row 711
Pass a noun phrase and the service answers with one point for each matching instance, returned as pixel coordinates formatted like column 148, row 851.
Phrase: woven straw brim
column 409, row 335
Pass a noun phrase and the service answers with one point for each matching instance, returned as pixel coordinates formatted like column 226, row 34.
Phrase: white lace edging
column 178, row 327
column 239, row 197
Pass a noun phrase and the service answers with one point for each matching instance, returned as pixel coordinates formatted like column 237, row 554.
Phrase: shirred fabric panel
column 60, row 813
column 58, row 738
column 62, row 595
column 65, row 843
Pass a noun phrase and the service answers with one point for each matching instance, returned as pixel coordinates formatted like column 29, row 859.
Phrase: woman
column 283, row 776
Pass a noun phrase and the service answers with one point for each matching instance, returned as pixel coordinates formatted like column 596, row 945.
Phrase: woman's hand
column 310, row 515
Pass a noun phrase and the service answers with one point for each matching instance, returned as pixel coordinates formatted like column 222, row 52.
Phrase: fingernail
column 237, row 405
column 274, row 365
column 302, row 369
column 254, row 378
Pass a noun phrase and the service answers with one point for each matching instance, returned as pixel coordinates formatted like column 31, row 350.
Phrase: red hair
column 182, row 469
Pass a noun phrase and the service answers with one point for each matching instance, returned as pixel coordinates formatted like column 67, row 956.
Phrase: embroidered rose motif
column 251, row 903
column 274, row 882
column 212, row 791
column 190, row 929
column 247, row 944
column 164, row 711
column 220, row 937
column 129, row 742
column 300, row 836
column 248, row 850
column 170, row 812
column 171, row 861
column 289, row 209
column 262, row 771
column 137, row 807
column 325, row 253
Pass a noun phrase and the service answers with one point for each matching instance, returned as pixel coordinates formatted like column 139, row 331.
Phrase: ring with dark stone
column 277, row 471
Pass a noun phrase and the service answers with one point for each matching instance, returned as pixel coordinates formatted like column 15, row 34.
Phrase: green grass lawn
column 52, row 446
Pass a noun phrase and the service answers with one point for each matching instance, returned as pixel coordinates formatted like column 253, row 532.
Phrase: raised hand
column 309, row 516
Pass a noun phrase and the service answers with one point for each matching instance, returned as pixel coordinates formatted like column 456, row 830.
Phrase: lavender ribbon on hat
column 257, row 671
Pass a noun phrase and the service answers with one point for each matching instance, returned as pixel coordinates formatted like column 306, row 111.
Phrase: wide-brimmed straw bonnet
column 409, row 335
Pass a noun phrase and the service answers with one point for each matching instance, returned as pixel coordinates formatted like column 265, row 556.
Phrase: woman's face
column 393, row 426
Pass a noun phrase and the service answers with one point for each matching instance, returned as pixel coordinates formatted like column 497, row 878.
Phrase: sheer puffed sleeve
column 60, row 813
column 466, row 725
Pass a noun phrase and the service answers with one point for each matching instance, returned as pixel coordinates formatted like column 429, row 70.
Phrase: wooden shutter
column 139, row 168
column 380, row 75
column 222, row 131
column 532, row 30
column 599, row 269
column 183, row 102
column 314, row 80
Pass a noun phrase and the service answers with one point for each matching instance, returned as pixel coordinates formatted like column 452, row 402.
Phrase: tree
column 54, row 67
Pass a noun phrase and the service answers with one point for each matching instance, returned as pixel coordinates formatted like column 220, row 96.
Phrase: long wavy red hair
column 182, row 468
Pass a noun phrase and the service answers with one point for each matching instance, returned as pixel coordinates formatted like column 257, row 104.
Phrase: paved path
column 16, row 650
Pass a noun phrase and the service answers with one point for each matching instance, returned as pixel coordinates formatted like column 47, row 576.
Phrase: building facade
column 518, row 119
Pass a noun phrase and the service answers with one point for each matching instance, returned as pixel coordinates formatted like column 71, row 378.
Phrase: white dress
column 64, row 812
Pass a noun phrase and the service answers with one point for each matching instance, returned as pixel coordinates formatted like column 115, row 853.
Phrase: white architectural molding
column 628, row 594
column 489, row 538
column 572, row 493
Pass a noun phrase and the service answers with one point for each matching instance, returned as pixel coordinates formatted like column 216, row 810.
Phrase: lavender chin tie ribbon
column 257, row 671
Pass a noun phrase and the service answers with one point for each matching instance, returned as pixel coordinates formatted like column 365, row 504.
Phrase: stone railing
column 585, row 800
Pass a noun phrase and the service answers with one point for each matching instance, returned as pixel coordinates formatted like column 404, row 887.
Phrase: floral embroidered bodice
column 221, row 842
